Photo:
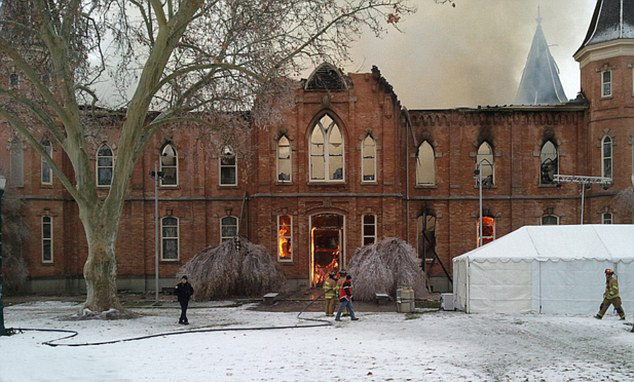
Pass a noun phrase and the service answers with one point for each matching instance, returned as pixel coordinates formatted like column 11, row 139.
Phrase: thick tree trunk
column 100, row 272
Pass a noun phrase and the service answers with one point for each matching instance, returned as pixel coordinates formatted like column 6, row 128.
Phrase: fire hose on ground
column 74, row 333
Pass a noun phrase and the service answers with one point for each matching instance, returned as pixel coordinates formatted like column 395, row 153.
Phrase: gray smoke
column 474, row 53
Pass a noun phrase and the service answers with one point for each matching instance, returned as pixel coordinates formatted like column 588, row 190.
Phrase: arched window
column 284, row 164
column 484, row 163
column 285, row 238
column 549, row 163
column 550, row 220
column 169, row 166
column 607, row 218
column 105, row 165
column 228, row 167
column 17, row 162
column 47, row 172
column 488, row 230
column 228, row 228
column 606, row 157
column 425, row 165
column 326, row 151
column 368, row 159
column 169, row 237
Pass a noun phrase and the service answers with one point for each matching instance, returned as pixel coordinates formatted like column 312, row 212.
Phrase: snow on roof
column 559, row 243
column 612, row 20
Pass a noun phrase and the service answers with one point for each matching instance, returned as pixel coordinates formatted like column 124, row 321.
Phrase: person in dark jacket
column 183, row 291
column 345, row 299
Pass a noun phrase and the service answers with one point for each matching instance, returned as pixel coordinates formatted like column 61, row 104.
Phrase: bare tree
column 182, row 58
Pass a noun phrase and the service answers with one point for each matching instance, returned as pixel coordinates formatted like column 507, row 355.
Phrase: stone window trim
column 164, row 164
column 171, row 238
column 102, row 167
column 365, row 156
column 47, row 238
column 286, row 236
column 46, row 172
column 227, row 222
column 365, row 236
column 228, row 152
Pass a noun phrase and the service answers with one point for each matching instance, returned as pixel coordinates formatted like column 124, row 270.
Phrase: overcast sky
column 474, row 53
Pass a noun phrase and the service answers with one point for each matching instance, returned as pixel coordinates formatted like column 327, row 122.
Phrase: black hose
column 74, row 333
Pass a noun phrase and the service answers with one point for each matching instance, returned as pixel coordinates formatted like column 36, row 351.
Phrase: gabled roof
column 540, row 84
column 612, row 20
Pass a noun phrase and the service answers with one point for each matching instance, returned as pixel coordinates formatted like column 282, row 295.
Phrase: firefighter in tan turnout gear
column 330, row 293
column 610, row 296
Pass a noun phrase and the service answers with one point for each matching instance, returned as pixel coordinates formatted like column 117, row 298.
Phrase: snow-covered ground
column 434, row 346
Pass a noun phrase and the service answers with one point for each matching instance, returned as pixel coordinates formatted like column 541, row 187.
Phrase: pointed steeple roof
column 540, row 84
column 612, row 20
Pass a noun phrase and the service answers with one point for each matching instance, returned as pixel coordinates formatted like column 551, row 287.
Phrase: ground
column 382, row 346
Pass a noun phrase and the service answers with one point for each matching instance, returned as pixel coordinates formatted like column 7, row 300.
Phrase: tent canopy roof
column 604, row 242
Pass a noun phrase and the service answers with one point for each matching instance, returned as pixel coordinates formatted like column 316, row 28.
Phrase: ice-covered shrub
column 231, row 270
column 383, row 267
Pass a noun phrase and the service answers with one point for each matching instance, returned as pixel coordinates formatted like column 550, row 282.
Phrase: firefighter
column 610, row 296
column 341, row 278
column 345, row 299
column 330, row 293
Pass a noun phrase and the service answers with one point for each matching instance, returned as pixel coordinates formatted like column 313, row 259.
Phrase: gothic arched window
column 549, row 163
column 284, row 164
column 484, row 163
column 169, row 165
column 326, row 151
column 425, row 165
column 606, row 157
column 368, row 159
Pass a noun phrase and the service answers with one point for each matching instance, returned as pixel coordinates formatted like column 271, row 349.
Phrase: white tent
column 546, row 269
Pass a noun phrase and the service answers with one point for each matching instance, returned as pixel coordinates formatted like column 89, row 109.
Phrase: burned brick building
column 350, row 165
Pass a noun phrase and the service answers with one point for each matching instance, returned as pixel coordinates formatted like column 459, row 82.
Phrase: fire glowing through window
column 284, row 237
column 488, row 230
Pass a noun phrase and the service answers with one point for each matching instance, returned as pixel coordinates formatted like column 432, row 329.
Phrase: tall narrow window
column 485, row 164
column 606, row 83
column 326, row 151
column 285, row 238
column 47, row 172
column 284, row 164
column 550, row 220
column 169, row 237
column 369, row 229
column 169, row 166
column 426, row 235
column 549, row 163
column 105, row 165
column 488, row 230
column 47, row 239
column 368, row 159
column 228, row 167
column 228, row 228
column 606, row 218
column 17, row 162
column 606, row 157
column 425, row 165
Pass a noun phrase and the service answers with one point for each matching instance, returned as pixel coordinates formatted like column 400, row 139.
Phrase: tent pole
column 583, row 193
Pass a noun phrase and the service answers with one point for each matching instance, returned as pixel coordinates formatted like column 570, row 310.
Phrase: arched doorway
column 326, row 246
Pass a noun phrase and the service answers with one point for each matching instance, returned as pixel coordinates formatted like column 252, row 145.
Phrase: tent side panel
column 625, row 275
column 498, row 287
column 460, row 284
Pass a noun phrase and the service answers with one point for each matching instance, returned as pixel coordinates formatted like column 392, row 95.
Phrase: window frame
column 609, row 83
column 363, row 225
column 607, row 218
column 541, row 220
column 162, row 167
column 420, row 164
column 289, row 159
column 237, row 225
column 173, row 238
column 98, row 167
column 607, row 139
column 45, row 239
column 373, row 158
column 222, row 166
column 45, row 168
column 325, row 155
column 478, row 166
column 542, row 161
column 289, row 236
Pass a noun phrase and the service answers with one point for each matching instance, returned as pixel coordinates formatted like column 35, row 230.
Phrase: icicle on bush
column 383, row 267
column 223, row 271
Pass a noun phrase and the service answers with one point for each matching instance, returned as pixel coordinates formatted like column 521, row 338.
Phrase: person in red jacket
column 345, row 299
